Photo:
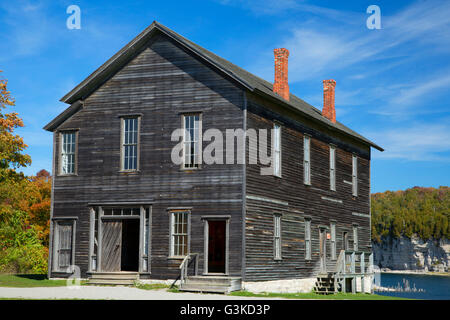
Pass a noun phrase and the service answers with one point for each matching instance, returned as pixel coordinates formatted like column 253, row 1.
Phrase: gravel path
column 115, row 293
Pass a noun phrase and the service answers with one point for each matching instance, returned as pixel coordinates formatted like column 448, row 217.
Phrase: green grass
column 312, row 295
column 151, row 286
column 29, row 281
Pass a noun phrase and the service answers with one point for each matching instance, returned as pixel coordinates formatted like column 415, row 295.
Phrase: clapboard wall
column 159, row 83
column 268, row 195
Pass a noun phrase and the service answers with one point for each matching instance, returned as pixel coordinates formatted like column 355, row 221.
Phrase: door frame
column 206, row 220
column 323, row 248
column 55, row 222
column 102, row 217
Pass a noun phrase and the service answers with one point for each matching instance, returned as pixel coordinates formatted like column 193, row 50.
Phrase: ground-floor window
column 179, row 233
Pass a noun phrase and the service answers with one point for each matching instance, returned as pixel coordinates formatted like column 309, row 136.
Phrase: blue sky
column 392, row 84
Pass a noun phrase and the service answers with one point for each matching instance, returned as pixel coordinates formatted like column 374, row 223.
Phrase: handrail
column 346, row 267
column 185, row 264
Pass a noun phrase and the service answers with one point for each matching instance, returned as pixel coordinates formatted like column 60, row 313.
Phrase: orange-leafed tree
column 11, row 145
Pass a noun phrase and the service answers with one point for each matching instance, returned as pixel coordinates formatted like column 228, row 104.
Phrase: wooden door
column 64, row 245
column 111, row 245
column 323, row 250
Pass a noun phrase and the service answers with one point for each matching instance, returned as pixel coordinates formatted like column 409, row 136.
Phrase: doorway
column 120, row 245
column 217, row 237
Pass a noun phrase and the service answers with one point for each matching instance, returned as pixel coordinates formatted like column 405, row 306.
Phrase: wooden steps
column 324, row 285
column 212, row 284
column 124, row 278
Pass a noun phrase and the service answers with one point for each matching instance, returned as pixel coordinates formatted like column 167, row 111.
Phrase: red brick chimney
column 280, row 85
column 328, row 100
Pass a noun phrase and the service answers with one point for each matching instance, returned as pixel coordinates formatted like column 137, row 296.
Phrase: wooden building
column 120, row 204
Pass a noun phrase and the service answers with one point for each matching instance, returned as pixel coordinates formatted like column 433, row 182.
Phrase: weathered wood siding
column 289, row 196
column 159, row 83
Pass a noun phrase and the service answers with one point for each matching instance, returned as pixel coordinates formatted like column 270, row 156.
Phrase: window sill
column 129, row 171
column 67, row 175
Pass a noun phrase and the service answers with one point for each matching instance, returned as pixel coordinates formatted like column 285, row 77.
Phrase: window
column 68, row 150
column 63, row 240
column 192, row 141
column 306, row 160
column 130, row 144
column 355, row 238
column 277, row 236
column 355, row 176
column 307, row 239
column 179, row 233
column 277, row 150
column 333, row 240
column 332, row 168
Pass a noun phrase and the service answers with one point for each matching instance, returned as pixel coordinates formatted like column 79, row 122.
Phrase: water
column 420, row 286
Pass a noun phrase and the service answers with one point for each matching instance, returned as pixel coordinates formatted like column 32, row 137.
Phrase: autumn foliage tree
column 11, row 145
column 24, row 201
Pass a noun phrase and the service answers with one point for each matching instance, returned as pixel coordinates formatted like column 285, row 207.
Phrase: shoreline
column 414, row 272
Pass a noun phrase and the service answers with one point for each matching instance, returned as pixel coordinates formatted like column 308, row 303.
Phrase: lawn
column 29, row 281
column 312, row 295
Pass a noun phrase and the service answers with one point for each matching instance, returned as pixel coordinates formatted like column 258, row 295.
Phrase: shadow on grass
column 37, row 277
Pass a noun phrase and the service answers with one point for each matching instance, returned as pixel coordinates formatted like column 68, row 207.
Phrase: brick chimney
column 281, row 86
column 328, row 110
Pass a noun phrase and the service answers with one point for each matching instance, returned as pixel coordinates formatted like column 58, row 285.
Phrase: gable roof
column 248, row 80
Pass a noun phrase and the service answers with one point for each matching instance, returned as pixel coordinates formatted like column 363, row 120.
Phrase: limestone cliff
column 412, row 254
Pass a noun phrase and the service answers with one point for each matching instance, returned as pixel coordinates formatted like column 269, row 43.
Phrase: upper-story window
column 332, row 168
column 68, row 152
column 192, row 126
column 130, row 144
column 355, row 175
column 277, row 149
column 306, row 160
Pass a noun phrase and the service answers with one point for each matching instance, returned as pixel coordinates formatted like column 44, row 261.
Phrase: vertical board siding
column 301, row 201
column 159, row 83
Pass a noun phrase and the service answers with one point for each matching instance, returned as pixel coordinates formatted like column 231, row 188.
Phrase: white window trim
column 332, row 168
column 277, row 149
column 60, row 157
column 122, row 142
column 200, row 139
column 308, row 246
column 277, row 247
column 171, row 231
column 306, row 160
column 354, row 175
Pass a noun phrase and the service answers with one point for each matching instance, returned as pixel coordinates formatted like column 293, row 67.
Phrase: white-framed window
column 355, row 175
column 332, row 168
column 306, row 160
column 355, row 238
column 308, row 239
column 68, row 152
column 277, row 149
column 179, row 233
column 277, row 236
column 130, row 143
column 333, row 240
column 192, row 137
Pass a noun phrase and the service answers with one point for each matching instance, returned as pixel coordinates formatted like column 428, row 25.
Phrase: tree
column 11, row 145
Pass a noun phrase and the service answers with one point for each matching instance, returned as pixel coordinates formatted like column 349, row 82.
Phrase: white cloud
column 417, row 142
